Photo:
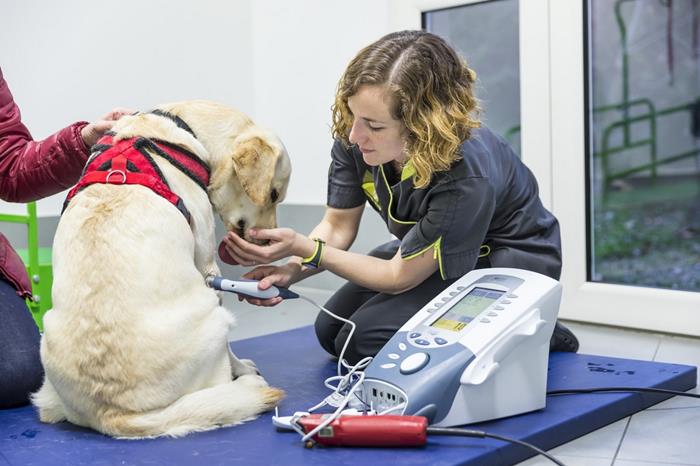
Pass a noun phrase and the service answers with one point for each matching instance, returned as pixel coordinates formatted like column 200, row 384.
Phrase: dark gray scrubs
column 486, row 205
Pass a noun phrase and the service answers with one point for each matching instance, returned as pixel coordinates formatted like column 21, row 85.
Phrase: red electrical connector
column 368, row 431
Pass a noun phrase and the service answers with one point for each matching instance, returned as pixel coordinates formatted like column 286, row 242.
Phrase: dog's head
column 250, row 167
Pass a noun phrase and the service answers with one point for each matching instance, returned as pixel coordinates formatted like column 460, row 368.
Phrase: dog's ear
column 254, row 160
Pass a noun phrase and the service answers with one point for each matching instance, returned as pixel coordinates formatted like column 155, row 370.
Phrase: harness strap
column 187, row 162
column 128, row 162
column 176, row 119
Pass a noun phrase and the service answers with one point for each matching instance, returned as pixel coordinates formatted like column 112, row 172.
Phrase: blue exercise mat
column 294, row 361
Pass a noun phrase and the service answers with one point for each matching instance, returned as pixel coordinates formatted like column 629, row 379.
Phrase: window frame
column 554, row 145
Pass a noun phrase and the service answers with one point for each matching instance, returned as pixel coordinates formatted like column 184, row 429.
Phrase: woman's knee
column 326, row 332
column 21, row 375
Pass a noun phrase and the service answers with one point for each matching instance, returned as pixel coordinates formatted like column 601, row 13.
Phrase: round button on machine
column 388, row 365
column 414, row 335
column 440, row 341
column 414, row 363
column 422, row 342
column 402, row 346
column 393, row 356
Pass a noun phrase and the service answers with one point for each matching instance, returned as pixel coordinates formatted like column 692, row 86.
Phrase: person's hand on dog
column 95, row 130
column 281, row 243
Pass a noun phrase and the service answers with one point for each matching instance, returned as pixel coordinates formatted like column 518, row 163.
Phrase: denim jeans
column 21, row 372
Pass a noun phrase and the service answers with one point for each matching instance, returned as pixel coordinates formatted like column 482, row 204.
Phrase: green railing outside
column 39, row 274
column 625, row 123
column 651, row 142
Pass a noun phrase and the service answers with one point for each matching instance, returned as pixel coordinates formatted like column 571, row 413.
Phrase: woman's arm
column 30, row 170
column 393, row 276
column 338, row 229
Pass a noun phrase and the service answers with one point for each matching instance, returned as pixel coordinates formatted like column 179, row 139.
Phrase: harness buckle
column 118, row 172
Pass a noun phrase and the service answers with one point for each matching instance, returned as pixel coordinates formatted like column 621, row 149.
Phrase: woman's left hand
column 282, row 242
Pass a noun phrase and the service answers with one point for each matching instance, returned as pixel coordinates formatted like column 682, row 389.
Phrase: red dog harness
column 128, row 161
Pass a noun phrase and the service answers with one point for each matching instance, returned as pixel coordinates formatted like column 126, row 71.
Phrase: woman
column 453, row 193
column 30, row 170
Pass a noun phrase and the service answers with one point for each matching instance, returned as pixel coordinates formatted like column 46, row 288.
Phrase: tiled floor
column 666, row 434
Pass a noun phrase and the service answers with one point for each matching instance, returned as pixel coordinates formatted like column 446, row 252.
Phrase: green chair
column 38, row 263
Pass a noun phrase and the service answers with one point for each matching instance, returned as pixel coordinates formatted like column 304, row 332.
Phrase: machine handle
column 481, row 371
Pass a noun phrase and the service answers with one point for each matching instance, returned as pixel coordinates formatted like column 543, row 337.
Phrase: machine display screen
column 458, row 316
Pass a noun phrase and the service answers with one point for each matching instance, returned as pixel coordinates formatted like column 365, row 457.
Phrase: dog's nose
column 240, row 228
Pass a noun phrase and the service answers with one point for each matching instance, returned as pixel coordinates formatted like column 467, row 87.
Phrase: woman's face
column 378, row 135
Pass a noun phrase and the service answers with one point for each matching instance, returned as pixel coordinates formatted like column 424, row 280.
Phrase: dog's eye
column 274, row 195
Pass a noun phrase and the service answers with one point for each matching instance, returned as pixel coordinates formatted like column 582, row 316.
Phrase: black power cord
column 574, row 391
column 481, row 434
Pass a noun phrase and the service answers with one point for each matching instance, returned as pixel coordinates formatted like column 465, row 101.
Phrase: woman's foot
column 563, row 339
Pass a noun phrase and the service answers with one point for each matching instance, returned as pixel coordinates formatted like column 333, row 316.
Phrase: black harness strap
column 176, row 119
column 143, row 143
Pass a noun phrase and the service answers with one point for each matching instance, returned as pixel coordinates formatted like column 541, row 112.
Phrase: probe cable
column 337, row 399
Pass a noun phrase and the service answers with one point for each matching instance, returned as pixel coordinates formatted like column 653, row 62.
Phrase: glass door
column 624, row 161
column 643, row 135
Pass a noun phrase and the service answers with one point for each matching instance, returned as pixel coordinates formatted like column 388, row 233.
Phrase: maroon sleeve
column 29, row 169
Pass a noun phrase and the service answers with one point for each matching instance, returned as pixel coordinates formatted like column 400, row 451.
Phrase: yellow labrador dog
column 136, row 343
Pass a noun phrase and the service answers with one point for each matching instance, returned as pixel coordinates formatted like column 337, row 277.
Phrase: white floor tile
column 647, row 463
column 663, row 436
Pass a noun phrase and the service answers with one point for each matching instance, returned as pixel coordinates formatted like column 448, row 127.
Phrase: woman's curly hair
column 431, row 89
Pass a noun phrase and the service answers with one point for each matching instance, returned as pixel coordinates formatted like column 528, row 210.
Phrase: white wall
column 279, row 61
column 300, row 49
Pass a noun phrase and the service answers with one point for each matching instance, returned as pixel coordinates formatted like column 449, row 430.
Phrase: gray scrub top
column 486, row 203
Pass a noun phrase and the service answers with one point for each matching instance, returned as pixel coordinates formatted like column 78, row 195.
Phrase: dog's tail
column 218, row 406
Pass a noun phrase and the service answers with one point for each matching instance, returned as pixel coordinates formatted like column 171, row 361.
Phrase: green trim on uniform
column 486, row 248
column 391, row 198
column 370, row 190
column 408, row 171
column 437, row 254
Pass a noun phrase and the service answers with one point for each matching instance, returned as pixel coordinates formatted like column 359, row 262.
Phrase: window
column 644, row 143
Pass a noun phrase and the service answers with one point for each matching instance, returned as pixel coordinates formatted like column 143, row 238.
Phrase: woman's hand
column 95, row 130
column 282, row 242
column 269, row 275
